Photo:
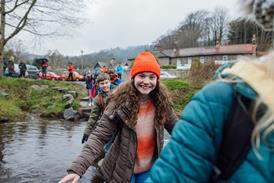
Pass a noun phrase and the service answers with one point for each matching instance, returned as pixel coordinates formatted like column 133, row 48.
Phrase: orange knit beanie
column 145, row 62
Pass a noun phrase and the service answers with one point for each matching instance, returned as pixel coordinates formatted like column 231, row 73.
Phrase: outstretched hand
column 73, row 178
column 85, row 138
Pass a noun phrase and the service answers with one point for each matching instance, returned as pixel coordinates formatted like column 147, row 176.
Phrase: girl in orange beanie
column 137, row 112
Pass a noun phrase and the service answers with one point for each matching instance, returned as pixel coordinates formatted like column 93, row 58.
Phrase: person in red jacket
column 71, row 70
column 104, row 69
column 44, row 68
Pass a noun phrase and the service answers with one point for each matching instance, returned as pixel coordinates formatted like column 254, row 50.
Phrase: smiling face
column 145, row 82
column 104, row 85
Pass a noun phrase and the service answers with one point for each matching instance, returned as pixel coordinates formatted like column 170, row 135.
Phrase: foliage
column 11, row 108
column 168, row 66
column 181, row 92
column 175, row 84
column 242, row 31
column 201, row 73
column 23, row 98
column 199, row 28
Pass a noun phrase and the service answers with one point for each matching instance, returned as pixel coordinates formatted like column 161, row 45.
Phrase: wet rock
column 69, row 114
column 77, row 117
column 68, row 99
column 4, row 119
column 84, row 104
column 73, row 93
column 63, row 90
column 3, row 94
column 85, row 99
column 39, row 87
column 56, row 88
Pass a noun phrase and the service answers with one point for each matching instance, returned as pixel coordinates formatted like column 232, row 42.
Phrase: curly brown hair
column 127, row 94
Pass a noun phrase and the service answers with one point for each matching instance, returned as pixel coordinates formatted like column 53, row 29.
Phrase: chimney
column 254, row 41
column 176, row 52
column 218, row 44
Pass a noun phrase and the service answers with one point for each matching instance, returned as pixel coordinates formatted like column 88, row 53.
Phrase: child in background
column 99, row 104
column 115, row 80
column 89, row 84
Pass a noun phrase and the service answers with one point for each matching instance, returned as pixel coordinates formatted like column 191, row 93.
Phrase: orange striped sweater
column 146, row 140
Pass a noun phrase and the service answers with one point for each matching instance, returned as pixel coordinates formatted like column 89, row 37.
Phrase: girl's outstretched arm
column 94, row 148
column 73, row 178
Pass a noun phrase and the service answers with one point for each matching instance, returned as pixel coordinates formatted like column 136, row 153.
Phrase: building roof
column 221, row 50
column 233, row 49
column 206, row 51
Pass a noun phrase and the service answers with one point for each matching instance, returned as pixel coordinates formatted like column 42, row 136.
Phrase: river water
column 39, row 151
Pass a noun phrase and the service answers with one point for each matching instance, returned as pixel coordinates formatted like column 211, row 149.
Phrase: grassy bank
column 24, row 97
column 36, row 96
column 181, row 92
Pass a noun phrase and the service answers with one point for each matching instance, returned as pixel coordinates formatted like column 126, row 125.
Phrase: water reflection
column 39, row 150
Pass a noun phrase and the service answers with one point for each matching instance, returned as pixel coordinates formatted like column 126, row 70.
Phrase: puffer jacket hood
column 256, row 78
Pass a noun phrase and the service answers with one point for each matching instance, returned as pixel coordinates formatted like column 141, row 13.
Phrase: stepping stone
column 84, row 99
column 73, row 93
column 56, row 88
column 4, row 119
column 69, row 114
column 84, row 104
column 82, row 110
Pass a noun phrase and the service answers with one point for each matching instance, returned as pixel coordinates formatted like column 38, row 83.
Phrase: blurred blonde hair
column 265, row 124
column 262, row 12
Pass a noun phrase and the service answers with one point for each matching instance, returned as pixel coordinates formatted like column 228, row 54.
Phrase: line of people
column 9, row 64
column 92, row 84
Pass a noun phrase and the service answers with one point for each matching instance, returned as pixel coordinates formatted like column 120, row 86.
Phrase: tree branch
column 16, row 5
column 21, row 23
column 33, row 31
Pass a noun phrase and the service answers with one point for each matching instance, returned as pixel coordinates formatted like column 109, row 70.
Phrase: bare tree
column 56, row 59
column 38, row 17
column 17, row 47
column 192, row 29
column 219, row 24
column 242, row 31
column 188, row 33
column 167, row 41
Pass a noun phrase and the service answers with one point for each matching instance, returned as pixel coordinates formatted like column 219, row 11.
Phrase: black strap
column 236, row 139
column 101, row 103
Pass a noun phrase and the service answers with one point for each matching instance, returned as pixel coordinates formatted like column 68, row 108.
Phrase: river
column 39, row 150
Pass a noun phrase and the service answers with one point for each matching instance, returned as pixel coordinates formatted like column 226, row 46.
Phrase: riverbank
column 26, row 96
column 22, row 96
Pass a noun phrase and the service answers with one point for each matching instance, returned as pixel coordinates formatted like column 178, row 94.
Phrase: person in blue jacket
column 115, row 80
column 192, row 151
column 120, row 70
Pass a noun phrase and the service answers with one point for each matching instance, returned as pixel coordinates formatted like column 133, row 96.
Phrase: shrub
column 201, row 73
column 168, row 66
column 181, row 93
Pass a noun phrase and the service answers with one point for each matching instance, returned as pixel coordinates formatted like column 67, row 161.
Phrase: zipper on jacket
column 135, row 136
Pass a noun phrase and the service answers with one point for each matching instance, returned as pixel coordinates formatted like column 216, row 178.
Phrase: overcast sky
column 124, row 23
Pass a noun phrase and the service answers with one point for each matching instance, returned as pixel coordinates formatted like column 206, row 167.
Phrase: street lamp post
column 82, row 60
